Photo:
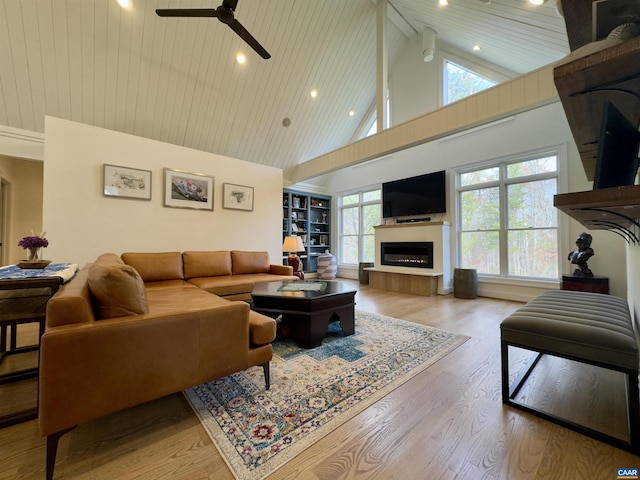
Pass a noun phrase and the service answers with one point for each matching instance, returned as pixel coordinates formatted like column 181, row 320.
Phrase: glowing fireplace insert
column 407, row 254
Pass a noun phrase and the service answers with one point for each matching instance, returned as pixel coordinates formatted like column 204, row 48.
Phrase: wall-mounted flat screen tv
column 617, row 160
column 421, row 195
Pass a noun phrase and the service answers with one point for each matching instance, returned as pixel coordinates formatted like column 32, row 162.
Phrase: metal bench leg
column 633, row 402
column 509, row 392
column 633, row 411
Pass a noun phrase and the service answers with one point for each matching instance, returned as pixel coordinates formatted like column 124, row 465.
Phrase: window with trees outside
column 360, row 212
column 508, row 225
column 460, row 82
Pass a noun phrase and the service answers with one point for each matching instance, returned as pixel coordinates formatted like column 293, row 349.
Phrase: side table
column 585, row 284
column 23, row 300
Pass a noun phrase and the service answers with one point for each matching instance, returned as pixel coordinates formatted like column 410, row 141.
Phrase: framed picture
column 237, row 197
column 188, row 190
column 126, row 182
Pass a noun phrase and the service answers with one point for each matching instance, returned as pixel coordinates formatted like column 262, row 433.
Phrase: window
column 460, row 82
column 371, row 128
column 508, row 225
column 360, row 212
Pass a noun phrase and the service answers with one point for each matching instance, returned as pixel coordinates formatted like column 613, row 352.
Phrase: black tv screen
column 421, row 195
column 617, row 160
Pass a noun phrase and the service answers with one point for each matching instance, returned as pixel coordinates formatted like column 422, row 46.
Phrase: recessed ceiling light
column 537, row 2
column 124, row 3
column 352, row 113
column 241, row 58
column 443, row 2
column 313, row 92
column 476, row 48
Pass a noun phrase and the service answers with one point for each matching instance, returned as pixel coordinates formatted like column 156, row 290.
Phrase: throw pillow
column 116, row 291
column 109, row 259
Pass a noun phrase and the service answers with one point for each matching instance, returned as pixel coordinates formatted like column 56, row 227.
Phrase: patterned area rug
column 312, row 391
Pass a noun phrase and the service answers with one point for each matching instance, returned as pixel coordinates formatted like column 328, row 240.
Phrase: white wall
column 538, row 128
column 415, row 86
column 81, row 223
column 23, row 207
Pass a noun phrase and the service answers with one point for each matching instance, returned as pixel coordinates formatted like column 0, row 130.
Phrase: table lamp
column 292, row 245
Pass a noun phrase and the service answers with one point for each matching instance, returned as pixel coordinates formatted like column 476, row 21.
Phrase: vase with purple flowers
column 34, row 244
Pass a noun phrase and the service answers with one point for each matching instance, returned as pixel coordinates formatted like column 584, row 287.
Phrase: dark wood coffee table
column 307, row 313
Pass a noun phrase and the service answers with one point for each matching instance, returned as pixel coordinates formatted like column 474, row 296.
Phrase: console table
column 23, row 299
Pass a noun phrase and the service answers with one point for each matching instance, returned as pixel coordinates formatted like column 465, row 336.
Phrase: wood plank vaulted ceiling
column 176, row 79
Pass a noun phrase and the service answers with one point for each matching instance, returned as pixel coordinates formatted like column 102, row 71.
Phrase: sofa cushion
column 249, row 262
column 116, row 291
column 181, row 298
column 154, row 267
column 206, row 264
column 222, row 286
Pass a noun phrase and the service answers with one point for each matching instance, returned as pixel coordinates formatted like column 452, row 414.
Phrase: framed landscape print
column 126, row 182
column 237, row 197
column 188, row 190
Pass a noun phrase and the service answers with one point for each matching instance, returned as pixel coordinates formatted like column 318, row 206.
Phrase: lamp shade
column 292, row 244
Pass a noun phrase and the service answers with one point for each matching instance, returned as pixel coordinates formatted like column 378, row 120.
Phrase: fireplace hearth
column 407, row 254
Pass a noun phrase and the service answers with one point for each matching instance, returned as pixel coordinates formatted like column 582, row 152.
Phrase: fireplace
column 407, row 254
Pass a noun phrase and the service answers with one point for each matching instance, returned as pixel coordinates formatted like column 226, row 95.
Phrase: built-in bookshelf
column 309, row 217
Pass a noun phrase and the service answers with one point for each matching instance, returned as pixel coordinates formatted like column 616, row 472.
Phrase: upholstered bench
column 591, row 328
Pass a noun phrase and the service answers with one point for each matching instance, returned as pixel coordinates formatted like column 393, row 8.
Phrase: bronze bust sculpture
column 579, row 257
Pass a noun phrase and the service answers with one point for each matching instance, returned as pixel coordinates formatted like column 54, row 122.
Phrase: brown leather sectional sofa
column 130, row 329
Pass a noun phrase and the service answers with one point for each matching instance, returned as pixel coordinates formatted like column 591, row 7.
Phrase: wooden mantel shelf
column 598, row 71
column 590, row 75
column 603, row 209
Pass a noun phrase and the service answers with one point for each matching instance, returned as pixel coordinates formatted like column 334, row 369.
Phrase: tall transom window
column 508, row 225
column 460, row 82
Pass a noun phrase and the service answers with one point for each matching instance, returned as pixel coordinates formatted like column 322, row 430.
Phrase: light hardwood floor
column 447, row 422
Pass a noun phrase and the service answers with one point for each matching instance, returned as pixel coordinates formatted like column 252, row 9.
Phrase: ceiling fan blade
column 230, row 4
column 187, row 12
column 237, row 27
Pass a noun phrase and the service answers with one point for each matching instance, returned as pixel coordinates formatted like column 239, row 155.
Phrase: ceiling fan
column 224, row 13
